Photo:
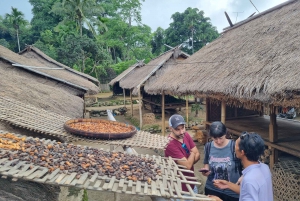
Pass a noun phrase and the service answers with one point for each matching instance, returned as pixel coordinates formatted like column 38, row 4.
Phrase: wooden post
column 140, row 108
column 187, row 109
column 163, row 125
column 207, row 109
column 273, row 135
column 131, row 102
column 84, row 109
column 223, row 112
column 124, row 97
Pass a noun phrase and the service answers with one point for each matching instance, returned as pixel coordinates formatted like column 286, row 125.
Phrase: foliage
column 191, row 29
column 82, row 12
column 85, row 195
column 158, row 41
column 101, row 37
column 42, row 18
column 122, row 66
column 16, row 19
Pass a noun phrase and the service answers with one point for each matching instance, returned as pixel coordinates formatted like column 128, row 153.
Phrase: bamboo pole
column 273, row 135
column 140, row 108
column 124, row 97
column 131, row 102
column 223, row 112
column 187, row 109
column 163, row 127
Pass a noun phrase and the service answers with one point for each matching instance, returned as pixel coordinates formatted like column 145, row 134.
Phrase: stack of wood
column 200, row 133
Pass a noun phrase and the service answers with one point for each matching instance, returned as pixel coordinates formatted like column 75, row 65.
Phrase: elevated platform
column 42, row 121
column 24, row 158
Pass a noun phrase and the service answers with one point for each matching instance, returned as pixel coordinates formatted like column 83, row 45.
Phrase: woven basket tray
column 97, row 134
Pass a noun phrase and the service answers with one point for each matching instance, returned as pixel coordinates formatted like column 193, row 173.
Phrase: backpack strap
column 238, row 164
column 207, row 150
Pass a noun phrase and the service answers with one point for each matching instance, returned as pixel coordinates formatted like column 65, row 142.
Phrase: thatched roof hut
column 115, row 82
column 254, row 62
column 32, row 52
column 42, row 89
column 139, row 75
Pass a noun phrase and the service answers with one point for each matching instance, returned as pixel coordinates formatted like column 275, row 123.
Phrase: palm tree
column 82, row 12
column 16, row 18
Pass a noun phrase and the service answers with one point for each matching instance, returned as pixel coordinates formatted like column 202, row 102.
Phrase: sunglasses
column 244, row 135
column 185, row 148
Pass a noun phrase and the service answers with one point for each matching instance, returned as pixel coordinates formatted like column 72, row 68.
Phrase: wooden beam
column 187, row 109
column 207, row 109
column 228, row 19
column 163, row 125
column 273, row 134
column 273, row 157
column 131, row 102
column 124, row 97
column 140, row 108
column 223, row 112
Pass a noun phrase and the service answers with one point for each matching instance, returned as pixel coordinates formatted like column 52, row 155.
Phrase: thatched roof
column 139, row 75
column 125, row 72
column 255, row 63
column 35, row 53
column 59, row 74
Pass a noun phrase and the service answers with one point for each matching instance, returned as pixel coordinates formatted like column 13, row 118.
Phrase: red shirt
column 174, row 149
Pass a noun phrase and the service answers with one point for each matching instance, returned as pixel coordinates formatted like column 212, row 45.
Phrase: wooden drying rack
column 167, row 185
column 51, row 124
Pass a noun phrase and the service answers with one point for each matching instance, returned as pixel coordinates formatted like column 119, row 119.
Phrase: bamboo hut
column 115, row 83
column 134, row 81
column 253, row 65
column 52, row 88
column 34, row 53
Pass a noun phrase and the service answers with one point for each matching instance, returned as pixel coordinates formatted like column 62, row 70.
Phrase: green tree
column 191, row 29
column 42, row 18
column 158, row 41
column 76, row 49
column 16, row 18
column 83, row 12
column 128, row 10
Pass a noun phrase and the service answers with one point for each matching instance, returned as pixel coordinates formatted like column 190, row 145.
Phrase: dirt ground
column 94, row 195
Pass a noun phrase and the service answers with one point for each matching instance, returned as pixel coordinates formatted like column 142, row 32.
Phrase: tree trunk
column 18, row 40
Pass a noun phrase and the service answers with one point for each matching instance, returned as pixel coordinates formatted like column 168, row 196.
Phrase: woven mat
column 168, row 184
column 286, row 180
column 48, row 123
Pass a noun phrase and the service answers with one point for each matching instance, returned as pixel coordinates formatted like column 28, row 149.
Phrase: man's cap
column 176, row 120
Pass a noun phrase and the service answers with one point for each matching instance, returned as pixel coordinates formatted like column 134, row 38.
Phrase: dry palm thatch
column 35, row 53
column 138, row 76
column 125, row 72
column 253, row 64
column 47, row 70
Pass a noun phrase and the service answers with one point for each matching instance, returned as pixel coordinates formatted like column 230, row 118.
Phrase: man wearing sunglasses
column 182, row 146
column 256, row 184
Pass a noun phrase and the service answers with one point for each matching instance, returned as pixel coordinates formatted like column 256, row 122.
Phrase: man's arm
column 223, row 184
column 197, row 154
column 188, row 163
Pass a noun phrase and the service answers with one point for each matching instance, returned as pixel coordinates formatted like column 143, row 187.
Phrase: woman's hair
column 252, row 144
column 217, row 129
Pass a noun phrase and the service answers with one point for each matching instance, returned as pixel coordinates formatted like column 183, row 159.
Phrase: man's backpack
column 238, row 164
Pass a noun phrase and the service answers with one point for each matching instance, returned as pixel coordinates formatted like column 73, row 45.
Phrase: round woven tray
column 101, row 135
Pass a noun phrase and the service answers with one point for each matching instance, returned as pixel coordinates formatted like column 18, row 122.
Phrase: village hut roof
column 138, row 76
column 125, row 72
column 34, row 53
column 56, row 73
column 32, row 89
column 253, row 62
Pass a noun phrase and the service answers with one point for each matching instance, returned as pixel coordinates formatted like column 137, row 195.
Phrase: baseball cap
column 176, row 120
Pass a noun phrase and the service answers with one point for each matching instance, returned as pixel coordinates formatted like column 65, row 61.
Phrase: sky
column 157, row 13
